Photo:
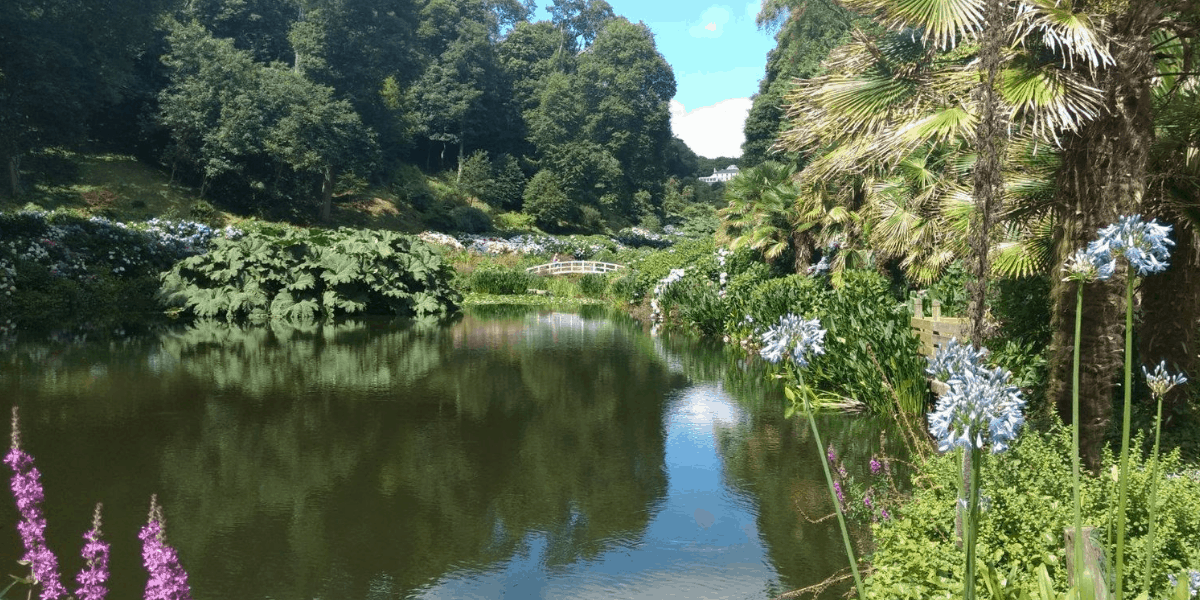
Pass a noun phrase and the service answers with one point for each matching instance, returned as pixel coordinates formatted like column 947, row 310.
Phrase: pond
column 515, row 454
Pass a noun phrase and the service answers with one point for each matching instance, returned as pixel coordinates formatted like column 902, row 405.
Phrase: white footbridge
column 568, row 267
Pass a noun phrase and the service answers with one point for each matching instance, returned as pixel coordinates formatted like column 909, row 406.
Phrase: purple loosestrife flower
column 27, row 489
column 793, row 335
column 980, row 409
column 884, row 513
column 1160, row 381
column 876, row 466
column 1143, row 244
column 838, row 488
column 93, row 577
column 168, row 580
column 831, row 453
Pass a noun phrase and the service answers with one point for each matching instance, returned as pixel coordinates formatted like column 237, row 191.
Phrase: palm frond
column 942, row 22
column 1063, row 30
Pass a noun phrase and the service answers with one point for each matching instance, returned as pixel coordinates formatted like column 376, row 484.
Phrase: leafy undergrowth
column 301, row 274
column 474, row 299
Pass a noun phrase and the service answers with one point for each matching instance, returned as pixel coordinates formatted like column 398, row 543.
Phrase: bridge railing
column 565, row 267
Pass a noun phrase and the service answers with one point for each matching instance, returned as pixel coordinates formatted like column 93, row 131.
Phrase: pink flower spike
column 168, row 580
column 27, row 490
column 93, row 577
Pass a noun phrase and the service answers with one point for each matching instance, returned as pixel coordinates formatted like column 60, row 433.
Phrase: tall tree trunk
column 462, row 135
column 13, row 168
column 1103, row 175
column 990, row 140
column 801, row 254
column 327, row 194
column 1171, row 310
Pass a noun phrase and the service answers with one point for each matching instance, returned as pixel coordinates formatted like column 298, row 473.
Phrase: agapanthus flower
column 981, row 409
column 168, row 580
column 1079, row 267
column 27, row 489
column 95, row 552
column 1143, row 244
column 1160, row 381
column 955, row 357
column 793, row 335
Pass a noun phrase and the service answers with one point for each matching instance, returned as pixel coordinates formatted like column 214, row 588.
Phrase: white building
column 723, row 175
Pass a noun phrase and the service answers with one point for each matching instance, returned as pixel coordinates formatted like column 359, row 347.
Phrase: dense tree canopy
column 267, row 104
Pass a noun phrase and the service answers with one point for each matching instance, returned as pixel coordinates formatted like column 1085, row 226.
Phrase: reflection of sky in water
column 702, row 541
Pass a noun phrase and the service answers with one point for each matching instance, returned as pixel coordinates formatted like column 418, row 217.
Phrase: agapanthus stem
column 1123, row 485
column 1153, row 499
column 837, row 506
column 1075, row 426
column 972, row 529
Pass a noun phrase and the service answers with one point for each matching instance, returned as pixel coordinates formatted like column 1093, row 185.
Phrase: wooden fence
column 935, row 331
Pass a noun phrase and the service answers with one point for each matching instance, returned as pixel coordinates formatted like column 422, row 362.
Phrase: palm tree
column 1068, row 79
column 763, row 214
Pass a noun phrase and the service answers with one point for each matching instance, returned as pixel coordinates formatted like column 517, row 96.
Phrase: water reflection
column 511, row 454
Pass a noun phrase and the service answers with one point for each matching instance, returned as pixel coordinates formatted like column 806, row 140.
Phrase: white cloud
column 712, row 131
column 752, row 10
column 711, row 23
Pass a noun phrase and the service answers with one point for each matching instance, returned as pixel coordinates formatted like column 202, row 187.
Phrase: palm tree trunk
column 990, row 139
column 1103, row 175
column 1171, row 310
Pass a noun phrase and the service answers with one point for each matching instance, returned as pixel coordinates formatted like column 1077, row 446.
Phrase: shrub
column 501, row 281
column 1029, row 505
column 593, row 285
column 796, row 294
column 624, row 287
column 469, row 219
column 298, row 274
column 699, row 305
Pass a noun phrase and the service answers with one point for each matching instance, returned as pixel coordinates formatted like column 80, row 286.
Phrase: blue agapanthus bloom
column 981, row 409
column 954, row 357
column 1143, row 244
column 1160, row 381
column 795, row 336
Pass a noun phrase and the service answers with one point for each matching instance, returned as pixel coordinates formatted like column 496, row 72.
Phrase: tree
column 61, row 64
column 806, row 31
column 579, row 21
column 248, row 126
column 546, row 202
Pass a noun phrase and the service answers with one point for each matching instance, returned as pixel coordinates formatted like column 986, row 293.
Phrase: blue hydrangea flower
column 1143, row 244
column 1160, row 381
column 981, row 409
column 793, row 335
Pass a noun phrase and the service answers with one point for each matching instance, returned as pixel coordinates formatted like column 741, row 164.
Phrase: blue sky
column 718, row 56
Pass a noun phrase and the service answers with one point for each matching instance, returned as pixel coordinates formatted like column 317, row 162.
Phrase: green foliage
column 653, row 266
column 699, row 305
column 593, row 285
column 773, row 298
column 545, row 201
column 297, row 274
column 1021, row 531
column 469, row 219
column 625, row 287
column 867, row 325
column 500, row 281
column 951, row 290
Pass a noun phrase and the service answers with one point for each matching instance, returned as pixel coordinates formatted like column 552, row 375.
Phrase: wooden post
column 937, row 310
column 917, row 308
column 1093, row 560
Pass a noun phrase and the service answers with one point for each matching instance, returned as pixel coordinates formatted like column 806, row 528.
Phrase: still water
column 511, row 454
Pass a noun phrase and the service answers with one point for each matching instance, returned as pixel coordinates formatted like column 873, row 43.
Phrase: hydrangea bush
column 54, row 265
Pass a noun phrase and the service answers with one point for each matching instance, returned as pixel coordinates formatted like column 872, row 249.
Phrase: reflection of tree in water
column 775, row 460
column 369, row 459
